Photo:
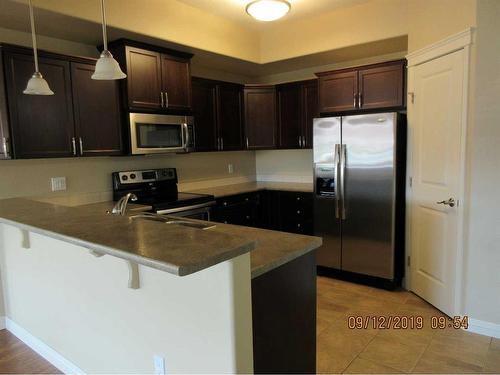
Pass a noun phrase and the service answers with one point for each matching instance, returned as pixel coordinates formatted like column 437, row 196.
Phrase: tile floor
column 376, row 351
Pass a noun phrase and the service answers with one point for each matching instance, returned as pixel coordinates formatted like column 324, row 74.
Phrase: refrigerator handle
column 343, row 154
column 337, row 194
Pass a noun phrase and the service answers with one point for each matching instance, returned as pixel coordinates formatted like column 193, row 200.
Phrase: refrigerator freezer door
column 326, row 144
column 369, row 194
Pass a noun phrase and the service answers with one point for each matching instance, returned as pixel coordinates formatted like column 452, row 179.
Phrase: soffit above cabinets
column 235, row 9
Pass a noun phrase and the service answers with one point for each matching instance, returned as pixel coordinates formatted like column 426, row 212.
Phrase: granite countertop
column 175, row 249
column 248, row 187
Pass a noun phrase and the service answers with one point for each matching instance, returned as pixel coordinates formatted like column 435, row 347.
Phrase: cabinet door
column 310, row 110
column 260, row 117
column 42, row 126
column 229, row 116
column 176, row 82
column 143, row 79
column 382, row 86
column 338, row 91
column 97, row 113
column 204, row 115
column 289, row 116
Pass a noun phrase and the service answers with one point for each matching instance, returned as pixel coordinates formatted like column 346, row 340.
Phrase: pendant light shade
column 37, row 85
column 268, row 10
column 106, row 68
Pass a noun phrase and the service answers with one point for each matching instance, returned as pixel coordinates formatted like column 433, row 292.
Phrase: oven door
column 199, row 212
column 156, row 134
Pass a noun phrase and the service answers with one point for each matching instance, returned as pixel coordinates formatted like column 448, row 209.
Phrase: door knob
column 450, row 202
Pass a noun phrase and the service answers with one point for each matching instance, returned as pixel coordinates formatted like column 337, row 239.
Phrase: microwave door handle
column 185, row 133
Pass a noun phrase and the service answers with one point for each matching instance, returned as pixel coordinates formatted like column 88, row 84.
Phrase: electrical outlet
column 58, row 183
column 230, row 168
column 159, row 365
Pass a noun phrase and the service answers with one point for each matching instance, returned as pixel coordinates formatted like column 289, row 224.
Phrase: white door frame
column 460, row 41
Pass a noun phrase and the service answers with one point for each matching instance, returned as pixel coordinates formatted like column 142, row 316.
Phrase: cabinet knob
column 224, row 204
column 298, row 198
column 298, row 211
column 298, row 225
column 248, row 217
column 246, row 199
column 225, row 221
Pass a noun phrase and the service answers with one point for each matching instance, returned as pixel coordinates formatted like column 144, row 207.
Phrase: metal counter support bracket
column 96, row 254
column 25, row 241
column 133, row 275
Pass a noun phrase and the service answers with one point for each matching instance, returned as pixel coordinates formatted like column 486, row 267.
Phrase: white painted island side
column 77, row 309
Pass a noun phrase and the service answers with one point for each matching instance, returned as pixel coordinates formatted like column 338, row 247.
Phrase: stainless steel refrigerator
column 359, row 179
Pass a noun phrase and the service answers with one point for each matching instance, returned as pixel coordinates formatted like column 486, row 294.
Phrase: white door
column 436, row 128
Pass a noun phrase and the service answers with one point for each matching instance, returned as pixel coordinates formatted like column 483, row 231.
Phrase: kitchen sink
column 172, row 220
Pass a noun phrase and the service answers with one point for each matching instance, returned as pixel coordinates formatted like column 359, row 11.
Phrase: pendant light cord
column 104, row 34
column 33, row 35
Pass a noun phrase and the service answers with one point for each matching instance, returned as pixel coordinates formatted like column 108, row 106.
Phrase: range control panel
column 150, row 175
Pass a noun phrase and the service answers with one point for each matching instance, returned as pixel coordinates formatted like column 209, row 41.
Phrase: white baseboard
column 2, row 322
column 42, row 349
column 484, row 328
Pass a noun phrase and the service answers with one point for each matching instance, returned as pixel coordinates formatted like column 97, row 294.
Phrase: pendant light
column 268, row 10
column 37, row 85
column 106, row 68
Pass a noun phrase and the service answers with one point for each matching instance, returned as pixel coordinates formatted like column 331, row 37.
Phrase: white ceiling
column 235, row 9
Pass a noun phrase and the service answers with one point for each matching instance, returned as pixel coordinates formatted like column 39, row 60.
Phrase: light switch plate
column 230, row 168
column 58, row 183
column 159, row 365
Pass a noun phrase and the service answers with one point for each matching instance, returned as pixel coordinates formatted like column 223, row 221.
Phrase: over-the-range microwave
column 157, row 134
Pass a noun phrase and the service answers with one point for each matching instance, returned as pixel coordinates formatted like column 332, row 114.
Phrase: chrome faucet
column 120, row 207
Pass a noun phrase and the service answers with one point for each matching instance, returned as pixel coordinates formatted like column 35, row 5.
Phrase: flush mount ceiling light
column 36, row 85
column 106, row 68
column 268, row 10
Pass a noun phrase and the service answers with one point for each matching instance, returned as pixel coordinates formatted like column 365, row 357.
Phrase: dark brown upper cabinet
column 176, row 82
column 204, row 111
column 375, row 86
column 230, row 116
column 143, row 69
column 338, row 91
column 297, row 107
column 97, row 114
column 158, row 79
column 217, row 108
column 41, row 126
column 82, row 118
column 260, row 117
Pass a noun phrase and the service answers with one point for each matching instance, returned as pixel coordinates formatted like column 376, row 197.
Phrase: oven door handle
column 185, row 208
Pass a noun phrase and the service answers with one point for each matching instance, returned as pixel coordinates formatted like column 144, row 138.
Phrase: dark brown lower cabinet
column 41, row 126
column 96, row 104
column 284, row 318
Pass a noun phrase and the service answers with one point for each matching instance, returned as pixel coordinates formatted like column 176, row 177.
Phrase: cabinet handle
column 360, row 100
column 222, row 144
column 355, row 97
column 162, row 100
column 73, row 145
column 218, row 144
column 166, row 99
column 247, row 142
column 81, row 146
column 300, row 141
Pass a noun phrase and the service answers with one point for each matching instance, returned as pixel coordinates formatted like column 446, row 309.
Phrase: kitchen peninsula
column 81, row 281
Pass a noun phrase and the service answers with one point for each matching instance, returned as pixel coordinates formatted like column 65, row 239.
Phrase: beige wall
column 169, row 20
column 284, row 165
column 362, row 23
column 482, row 272
column 81, row 307
column 92, row 176
column 432, row 20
